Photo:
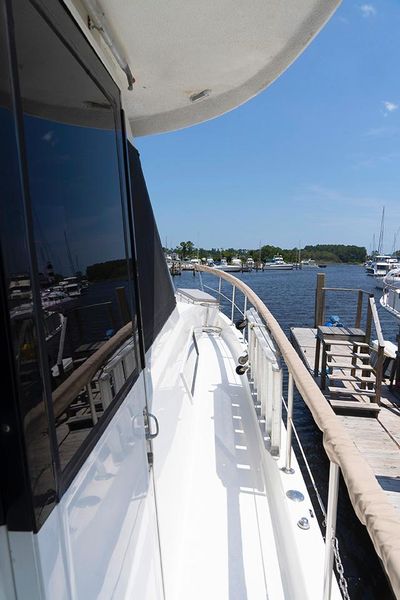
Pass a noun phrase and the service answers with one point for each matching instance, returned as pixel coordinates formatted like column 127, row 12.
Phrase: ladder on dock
column 353, row 382
column 348, row 376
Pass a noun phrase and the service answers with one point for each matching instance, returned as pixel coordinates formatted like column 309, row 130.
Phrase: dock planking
column 377, row 437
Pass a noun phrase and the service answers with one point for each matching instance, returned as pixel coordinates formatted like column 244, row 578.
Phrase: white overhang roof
column 195, row 60
column 231, row 49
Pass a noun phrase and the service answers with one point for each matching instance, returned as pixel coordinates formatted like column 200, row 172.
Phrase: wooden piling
column 319, row 313
column 357, row 323
column 319, row 300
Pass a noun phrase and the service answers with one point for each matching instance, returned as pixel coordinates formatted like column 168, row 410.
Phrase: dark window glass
column 26, row 467
column 156, row 289
column 71, row 132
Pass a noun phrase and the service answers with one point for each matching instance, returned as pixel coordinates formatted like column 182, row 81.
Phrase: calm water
column 289, row 295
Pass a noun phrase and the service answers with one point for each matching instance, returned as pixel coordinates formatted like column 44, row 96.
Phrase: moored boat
column 390, row 299
column 235, row 266
column 277, row 264
column 309, row 263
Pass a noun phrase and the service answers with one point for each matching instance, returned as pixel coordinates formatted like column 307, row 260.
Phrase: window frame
column 59, row 19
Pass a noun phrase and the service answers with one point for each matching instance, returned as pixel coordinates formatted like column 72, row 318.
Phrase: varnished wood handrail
column 367, row 497
column 377, row 323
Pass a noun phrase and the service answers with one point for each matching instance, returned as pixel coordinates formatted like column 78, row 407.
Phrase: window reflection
column 79, row 237
column 22, row 384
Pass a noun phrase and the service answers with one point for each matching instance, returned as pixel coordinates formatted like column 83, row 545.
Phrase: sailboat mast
column 380, row 243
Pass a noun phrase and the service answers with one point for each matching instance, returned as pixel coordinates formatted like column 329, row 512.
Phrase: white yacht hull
column 228, row 268
column 391, row 304
column 278, row 267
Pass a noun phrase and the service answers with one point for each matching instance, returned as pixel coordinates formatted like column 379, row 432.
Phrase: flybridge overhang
column 193, row 61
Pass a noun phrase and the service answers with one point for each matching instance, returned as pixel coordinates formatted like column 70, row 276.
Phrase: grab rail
column 368, row 500
column 380, row 352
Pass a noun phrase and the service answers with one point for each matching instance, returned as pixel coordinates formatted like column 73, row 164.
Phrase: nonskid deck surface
column 228, row 548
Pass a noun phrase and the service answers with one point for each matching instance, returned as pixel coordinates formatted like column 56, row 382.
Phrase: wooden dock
column 377, row 436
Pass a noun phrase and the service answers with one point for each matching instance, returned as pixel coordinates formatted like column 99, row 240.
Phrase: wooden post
column 368, row 324
column 123, row 305
column 319, row 300
column 359, row 309
column 317, row 354
column 319, row 316
column 379, row 373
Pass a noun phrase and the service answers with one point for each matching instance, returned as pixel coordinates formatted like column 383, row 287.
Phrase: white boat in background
column 277, row 264
column 390, row 299
column 381, row 265
column 235, row 266
column 250, row 263
column 309, row 263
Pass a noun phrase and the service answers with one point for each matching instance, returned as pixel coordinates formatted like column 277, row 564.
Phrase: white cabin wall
column 104, row 525
column 7, row 589
column 25, row 563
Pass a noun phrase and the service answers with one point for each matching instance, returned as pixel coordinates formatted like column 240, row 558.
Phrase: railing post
column 379, row 372
column 359, row 309
column 244, row 316
column 289, row 422
column 368, row 324
column 333, row 492
column 233, row 302
column 219, row 286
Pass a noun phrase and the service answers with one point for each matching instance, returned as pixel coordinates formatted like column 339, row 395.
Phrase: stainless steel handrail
column 368, row 499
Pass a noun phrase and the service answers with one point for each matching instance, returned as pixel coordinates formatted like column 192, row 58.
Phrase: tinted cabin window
column 30, row 483
column 81, row 259
column 156, row 289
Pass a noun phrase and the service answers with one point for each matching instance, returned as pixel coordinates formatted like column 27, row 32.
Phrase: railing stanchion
column 331, row 514
column 289, row 423
column 244, row 316
column 233, row 302
column 219, row 286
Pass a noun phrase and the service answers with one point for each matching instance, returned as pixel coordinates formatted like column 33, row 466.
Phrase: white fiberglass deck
column 228, row 530
column 228, row 548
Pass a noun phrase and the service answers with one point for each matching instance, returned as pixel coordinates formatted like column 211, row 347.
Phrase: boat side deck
column 229, row 527
column 226, row 503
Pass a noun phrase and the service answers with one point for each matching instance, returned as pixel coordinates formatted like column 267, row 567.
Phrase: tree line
column 335, row 253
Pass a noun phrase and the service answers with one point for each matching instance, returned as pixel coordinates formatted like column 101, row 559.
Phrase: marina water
column 290, row 296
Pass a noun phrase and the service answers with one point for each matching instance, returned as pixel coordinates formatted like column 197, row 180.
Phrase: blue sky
column 312, row 159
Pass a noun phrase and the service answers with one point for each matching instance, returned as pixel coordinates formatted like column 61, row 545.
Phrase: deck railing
column 368, row 500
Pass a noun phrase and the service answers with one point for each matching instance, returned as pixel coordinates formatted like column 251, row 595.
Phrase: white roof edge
column 215, row 106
